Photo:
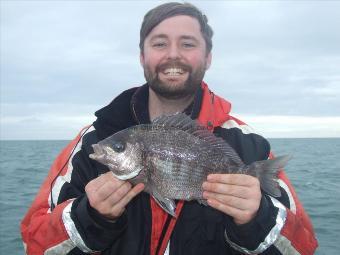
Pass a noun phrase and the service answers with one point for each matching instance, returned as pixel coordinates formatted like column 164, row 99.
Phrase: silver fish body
column 174, row 155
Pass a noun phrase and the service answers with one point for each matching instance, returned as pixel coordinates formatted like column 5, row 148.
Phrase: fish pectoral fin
column 167, row 204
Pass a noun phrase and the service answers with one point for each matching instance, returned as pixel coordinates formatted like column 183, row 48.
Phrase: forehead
column 177, row 26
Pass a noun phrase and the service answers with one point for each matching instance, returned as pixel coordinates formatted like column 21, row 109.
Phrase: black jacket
column 199, row 230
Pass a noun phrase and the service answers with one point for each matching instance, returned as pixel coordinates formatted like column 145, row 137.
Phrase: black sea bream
column 173, row 156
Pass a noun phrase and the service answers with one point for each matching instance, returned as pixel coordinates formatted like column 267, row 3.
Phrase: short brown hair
column 167, row 10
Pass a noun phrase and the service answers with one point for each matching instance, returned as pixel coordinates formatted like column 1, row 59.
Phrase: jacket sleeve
column 281, row 225
column 60, row 220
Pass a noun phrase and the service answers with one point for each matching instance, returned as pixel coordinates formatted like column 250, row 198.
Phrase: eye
column 188, row 45
column 118, row 146
column 159, row 45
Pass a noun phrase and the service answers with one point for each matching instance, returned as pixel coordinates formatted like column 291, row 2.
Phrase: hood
column 131, row 108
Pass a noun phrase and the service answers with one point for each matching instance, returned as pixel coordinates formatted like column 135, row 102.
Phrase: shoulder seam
column 235, row 123
column 66, row 177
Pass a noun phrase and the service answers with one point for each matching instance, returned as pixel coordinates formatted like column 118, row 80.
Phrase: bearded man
column 83, row 209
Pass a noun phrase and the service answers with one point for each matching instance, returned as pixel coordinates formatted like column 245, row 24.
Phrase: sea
column 314, row 171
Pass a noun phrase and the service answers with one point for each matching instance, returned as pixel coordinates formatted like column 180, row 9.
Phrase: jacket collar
column 140, row 110
column 115, row 116
column 214, row 110
column 131, row 108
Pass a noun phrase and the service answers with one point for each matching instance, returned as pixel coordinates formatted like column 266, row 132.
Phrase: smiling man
column 83, row 209
column 175, row 57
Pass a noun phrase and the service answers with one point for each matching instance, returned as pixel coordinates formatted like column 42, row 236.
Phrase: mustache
column 173, row 64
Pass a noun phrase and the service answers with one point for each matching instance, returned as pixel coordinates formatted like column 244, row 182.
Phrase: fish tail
column 267, row 173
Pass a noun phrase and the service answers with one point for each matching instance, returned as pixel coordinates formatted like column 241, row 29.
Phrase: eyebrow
column 164, row 36
column 158, row 36
column 189, row 37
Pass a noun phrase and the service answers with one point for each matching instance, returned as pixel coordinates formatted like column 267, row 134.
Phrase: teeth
column 173, row 71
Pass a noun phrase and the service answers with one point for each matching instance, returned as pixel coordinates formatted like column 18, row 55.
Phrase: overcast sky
column 278, row 62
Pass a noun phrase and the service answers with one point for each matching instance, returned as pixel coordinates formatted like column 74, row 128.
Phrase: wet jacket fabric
column 60, row 220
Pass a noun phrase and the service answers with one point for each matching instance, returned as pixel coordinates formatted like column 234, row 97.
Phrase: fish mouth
column 97, row 149
column 98, row 152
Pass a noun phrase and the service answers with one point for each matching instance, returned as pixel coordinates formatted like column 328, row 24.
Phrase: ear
column 141, row 59
column 208, row 61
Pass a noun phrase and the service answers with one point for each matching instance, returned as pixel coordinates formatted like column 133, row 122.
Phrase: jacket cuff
column 96, row 232
column 257, row 235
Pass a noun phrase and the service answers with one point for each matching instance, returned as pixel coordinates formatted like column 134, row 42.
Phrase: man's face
column 174, row 57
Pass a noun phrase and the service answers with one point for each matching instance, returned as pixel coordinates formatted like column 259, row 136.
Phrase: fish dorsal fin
column 185, row 123
column 178, row 120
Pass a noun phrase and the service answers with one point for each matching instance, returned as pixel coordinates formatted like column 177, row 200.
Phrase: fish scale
column 179, row 183
column 173, row 156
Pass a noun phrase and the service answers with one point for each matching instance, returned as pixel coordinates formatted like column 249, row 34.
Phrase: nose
column 174, row 52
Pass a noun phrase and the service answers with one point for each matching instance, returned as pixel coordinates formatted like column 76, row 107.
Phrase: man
column 82, row 208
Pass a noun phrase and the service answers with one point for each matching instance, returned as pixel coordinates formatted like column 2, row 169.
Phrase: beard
column 169, row 90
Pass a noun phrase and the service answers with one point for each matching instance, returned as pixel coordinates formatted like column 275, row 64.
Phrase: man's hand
column 109, row 195
column 237, row 195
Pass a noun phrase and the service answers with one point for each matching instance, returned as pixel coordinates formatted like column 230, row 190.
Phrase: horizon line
column 64, row 139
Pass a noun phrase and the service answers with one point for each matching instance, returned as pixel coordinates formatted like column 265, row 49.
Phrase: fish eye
column 118, row 147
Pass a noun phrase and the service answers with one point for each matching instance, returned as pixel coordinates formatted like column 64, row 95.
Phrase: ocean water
column 314, row 171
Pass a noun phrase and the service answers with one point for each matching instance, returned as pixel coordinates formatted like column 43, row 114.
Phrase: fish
column 173, row 155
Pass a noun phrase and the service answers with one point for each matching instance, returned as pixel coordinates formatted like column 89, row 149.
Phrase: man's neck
column 159, row 106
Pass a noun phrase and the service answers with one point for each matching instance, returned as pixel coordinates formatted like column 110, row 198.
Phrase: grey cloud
column 269, row 57
column 278, row 57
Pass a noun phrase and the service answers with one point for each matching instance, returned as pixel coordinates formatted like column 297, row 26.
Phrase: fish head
column 121, row 153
